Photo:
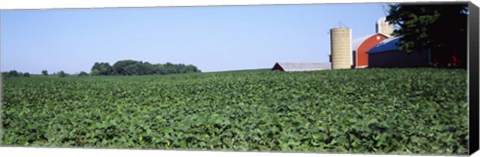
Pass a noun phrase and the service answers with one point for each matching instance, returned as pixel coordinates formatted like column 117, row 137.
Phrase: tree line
column 122, row 67
column 132, row 67
column 14, row 73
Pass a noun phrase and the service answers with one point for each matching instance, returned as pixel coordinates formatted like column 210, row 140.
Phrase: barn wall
column 369, row 43
column 399, row 59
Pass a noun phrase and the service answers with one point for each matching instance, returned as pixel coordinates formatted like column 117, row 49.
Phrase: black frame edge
column 473, row 77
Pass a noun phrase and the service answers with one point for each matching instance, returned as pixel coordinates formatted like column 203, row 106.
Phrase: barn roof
column 358, row 41
column 387, row 45
column 292, row 66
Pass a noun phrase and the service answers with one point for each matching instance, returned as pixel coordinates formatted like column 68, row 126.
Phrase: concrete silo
column 341, row 48
column 384, row 27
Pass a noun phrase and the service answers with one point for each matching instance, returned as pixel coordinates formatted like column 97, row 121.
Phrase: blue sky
column 215, row 38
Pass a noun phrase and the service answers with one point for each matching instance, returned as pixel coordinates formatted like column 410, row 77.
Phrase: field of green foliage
column 401, row 111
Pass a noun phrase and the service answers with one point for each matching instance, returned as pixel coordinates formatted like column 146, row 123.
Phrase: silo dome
column 384, row 27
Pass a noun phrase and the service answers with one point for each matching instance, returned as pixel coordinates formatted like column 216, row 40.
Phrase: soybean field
column 399, row 111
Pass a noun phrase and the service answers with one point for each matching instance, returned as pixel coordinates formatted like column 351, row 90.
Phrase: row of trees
column 123, row 67
column 14, row 73
column 63, row 74
column 132, row 67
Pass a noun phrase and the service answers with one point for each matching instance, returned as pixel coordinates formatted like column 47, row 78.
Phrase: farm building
column 388, row 54
column 376, row 50
column 347, row 53
column 361, row 46
column 381, row 50
column 341, row 48
column 384, row 27
column 290, row 66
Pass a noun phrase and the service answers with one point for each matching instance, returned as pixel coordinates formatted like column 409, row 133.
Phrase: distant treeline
column 132, row 67
column 14, row 73
column 123, row 67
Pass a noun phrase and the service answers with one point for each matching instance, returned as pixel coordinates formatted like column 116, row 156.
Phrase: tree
column 440, row 27
column 191, row 68
column 159, row 69
column 45, row 72
column 132, row 67
column 26, row 74
column 13, row 73
column 127, row 67
column 62, row 74
column 102, row 69
column 170, row 68
column 83, row 73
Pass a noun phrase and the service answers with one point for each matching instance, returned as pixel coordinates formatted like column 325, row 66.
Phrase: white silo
column 341, row 48
column 384, row 27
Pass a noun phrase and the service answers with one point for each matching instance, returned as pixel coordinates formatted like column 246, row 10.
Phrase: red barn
column 361, row 46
